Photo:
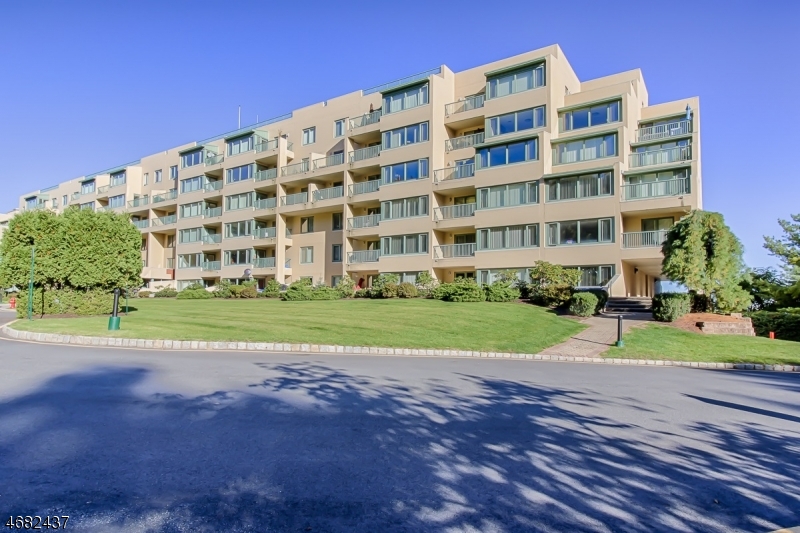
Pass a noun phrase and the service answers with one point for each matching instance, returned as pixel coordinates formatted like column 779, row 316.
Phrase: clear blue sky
column 88, row 85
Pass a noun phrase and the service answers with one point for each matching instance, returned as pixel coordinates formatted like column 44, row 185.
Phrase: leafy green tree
column 552, row 285
column 787, row 247
column 702, row 252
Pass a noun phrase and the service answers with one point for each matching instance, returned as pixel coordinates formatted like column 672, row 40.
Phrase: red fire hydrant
column 13, row 302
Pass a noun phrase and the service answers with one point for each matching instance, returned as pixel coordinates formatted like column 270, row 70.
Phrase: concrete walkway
column 598, row 337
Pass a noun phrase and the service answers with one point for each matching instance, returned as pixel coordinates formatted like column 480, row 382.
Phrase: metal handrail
column 212, row 212
column 644, row 239
column 102, row 189
column 140, row 201
column 661, row 157
column 163, row 221
column 264, row 262
column 265, row 145
column 365, row 187
column 465, row 141
column 467, row 104
column 366, row 221
column 212, row 238
column 664, row 131
column 448, row 212
column 365, row 119
column 266, row 174
column 329, row 161
column 296, row 168
column 364, row 256
column 212, row 265
column 655, row 189
column 265, row 233
column 213, row 159
column 211, row 186
column 454, row 173
column 328, row 194
column 266, row 203
column 365, row 153
column 449, row 251
column 170, row 195
column 141, row 224
column 292, row 199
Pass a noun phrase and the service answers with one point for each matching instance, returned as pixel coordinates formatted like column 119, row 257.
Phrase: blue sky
column 88, row 85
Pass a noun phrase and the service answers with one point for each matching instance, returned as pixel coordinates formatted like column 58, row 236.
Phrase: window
column 238, row 201
column 595, row 276
column 338, row 128
column 242, row 228
column 505, row 237
column 585, row 149
column 117, row 201
column 587, row 117
column 408, row 135
column 307, row 225
column 144, row 178
column 170, row 241
column 190, row 159
column 590, row 231
column 118, row 178
column 405, row 99
column 574, row 187
column 88, row 205
column 242, row 173
column 87, row 187
column 309, row 136
column 521, row 120
column 64, row 200
column 335, row 280
column 404, row 208
column 194, row 209
column 507, row 154
column 411, row 170
column 191, row 184
column 657, row 224
column 517, row 81
column 306, row 255
column 189, row 260
column 158, row 176
column 337, row 221
column 238, row 257
column 405, row 244
column 509, row 195
column 173, row 172
column 240, row 145
column 190, row 235
column 336, row 253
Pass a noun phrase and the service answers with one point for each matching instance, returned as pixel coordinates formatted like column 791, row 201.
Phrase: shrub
column 272, row 289
column 552, row 285
column 194, row 292
column 223, row 289
column 700, row 303
column 389, row 290
column 235, row 291
column 461, row 290
column 346, row 286
column 407, row 290
column 166, row 292
column 600, row 294
column 785, row 324
column 362, row 293
column 381, row 282
column 501, row 291
column 66, row 302
column 583, row 304
column 143, row 294
column 303, row 290
column 670, row 306
column 249, row 290
column 426, row 283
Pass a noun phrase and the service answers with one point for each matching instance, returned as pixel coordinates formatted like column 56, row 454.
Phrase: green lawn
column 491, row 327
column 668, row 343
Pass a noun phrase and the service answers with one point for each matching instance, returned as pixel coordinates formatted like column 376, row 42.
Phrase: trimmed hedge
column 166, row 292
column 303, row 290
column 670, row 306
column 583, row 304
column 461, row 290
column 785, row 324
column 66, row 302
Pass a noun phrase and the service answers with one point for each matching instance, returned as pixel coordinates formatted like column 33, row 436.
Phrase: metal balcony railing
column 212, row 186
column 365, row 153
column 327, row 194
column 169, row 195
column 644, row 239
column 464, row 141
column 264, row 262
column 365, row 120
column 449, row 251
column 141, row 224
column 655, row 189
column 296, row 168
column 117, row 184
column 139, row 202
column 265, row 145
column 266, row 174
column 329, row 161
column 664, row 131
column 212, row 238
column 212, row 212
column 102, row 189
column 75, row 195
column 265, row 203
column 366, row 221
column 265, row 233
column 454, row 173
column 365, row 187
column 213, row 159
column 467, row 104
column 212, row 265
column 163, row 221
column 661, row 157
column 448, row 212
column 364, row 256
column 292, row 199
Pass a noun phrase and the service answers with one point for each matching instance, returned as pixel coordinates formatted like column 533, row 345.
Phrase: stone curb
column 150, row 344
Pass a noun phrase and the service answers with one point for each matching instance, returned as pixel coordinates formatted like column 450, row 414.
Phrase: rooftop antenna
column 688, row 112
column 240, row 116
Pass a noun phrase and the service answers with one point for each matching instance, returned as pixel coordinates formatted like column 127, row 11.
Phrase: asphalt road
column 127, row 440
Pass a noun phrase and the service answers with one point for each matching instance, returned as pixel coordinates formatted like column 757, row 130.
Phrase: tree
column 702, row 252
column 766, row 287
column 551, row 284
column 787, row 248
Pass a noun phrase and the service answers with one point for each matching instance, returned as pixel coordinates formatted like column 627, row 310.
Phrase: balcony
column 265, row 233
column 364, row 256
column 170, row 195
column 365, row 187
column 365, row 120
column 297, row 168
column 664, row 131
column 139, row 202
column 265, row 203
column 328, row 194
column 212, row 238
column 75, row 196
column 365, row 153
column 450, row 251
column 214, row 159
column 212, row 186
column 212, row 265
column 264, row 262
column 293, row 199
column 102, row 189
column 644, row 239
column 467, row 104
column 661, row 157
column 329, row 161
column 265, row 175
column 448, row 212
column 465, row 141
column 454, row 173
column 142, row 224
column 212, row 212
column 655, row 189
column 367, row 221
column 164, row 221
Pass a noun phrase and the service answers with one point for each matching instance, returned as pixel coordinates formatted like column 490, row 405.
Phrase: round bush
column 670, row 306
column 501, row 291
column 143, row 294
column 407, row 290
column 389, row 290
column 583, row 304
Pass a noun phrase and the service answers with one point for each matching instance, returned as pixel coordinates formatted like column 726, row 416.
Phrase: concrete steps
column 629, row 305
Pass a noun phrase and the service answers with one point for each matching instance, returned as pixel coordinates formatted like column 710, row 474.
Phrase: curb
column 160, row 344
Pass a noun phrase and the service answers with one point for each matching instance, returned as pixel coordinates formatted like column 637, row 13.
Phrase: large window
column 574, row 187
column 195, row 209
column 238, row 257
column 240, row 145
column 595, row 276
column 585, row 149
column 404, row 208
column 411, row 170
column 190, row 235
column 508, row 154
column 243, row 173
column 238, row 201
column 190, row 159
column 310, row 136
column 118, row 178
column 508, row 195
column 591, row 231
column 88, row 187
column 405, row 244
column 407, row 135
column 116, row 201
column 306, row 255
column 521, row 120
column 587, row 117
column 307, row 225
column 191, row 184
column 190, row 260
column 517, row 81
column 405, row 99
column 508, row 237
column 242, row 228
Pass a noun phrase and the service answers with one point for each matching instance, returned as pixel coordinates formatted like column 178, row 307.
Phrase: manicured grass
column 491, row 327
column 668, row 343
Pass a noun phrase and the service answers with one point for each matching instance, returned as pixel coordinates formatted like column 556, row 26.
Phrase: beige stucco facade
column 510, row 163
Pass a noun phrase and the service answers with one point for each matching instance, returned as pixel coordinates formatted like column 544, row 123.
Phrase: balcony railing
column 163, row 221
column 329, row 161
column 367, row 221
column 265, row 203
column 170, row 195
column 265, row 145
column 365, row 187
column 454, row 173
column 138, row 202
column 287, row 263
column 288, row 233
column 212, row 212
column 467, row 104
column 212, row 238
column 365, row 120
column 212, row 265
column 365, row 153
column 644, row 239
column 664, row 131
column 449, row 251
column 117, row 184
column 465, row 141
column 297, row 168
column 655, row 189
column 265, row 233
column 102, row 189
column 328, row 194
column 141, row 224
column 292, row 199
column 75, row 195
column 661, row 157
column 448, row 212
column 213, row 159
column 364, row 256
column 266, row 174
column 264, row 262
column 212, row 186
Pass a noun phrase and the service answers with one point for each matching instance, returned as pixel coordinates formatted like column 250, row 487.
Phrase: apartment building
column 4, row 220
column 456, row 173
